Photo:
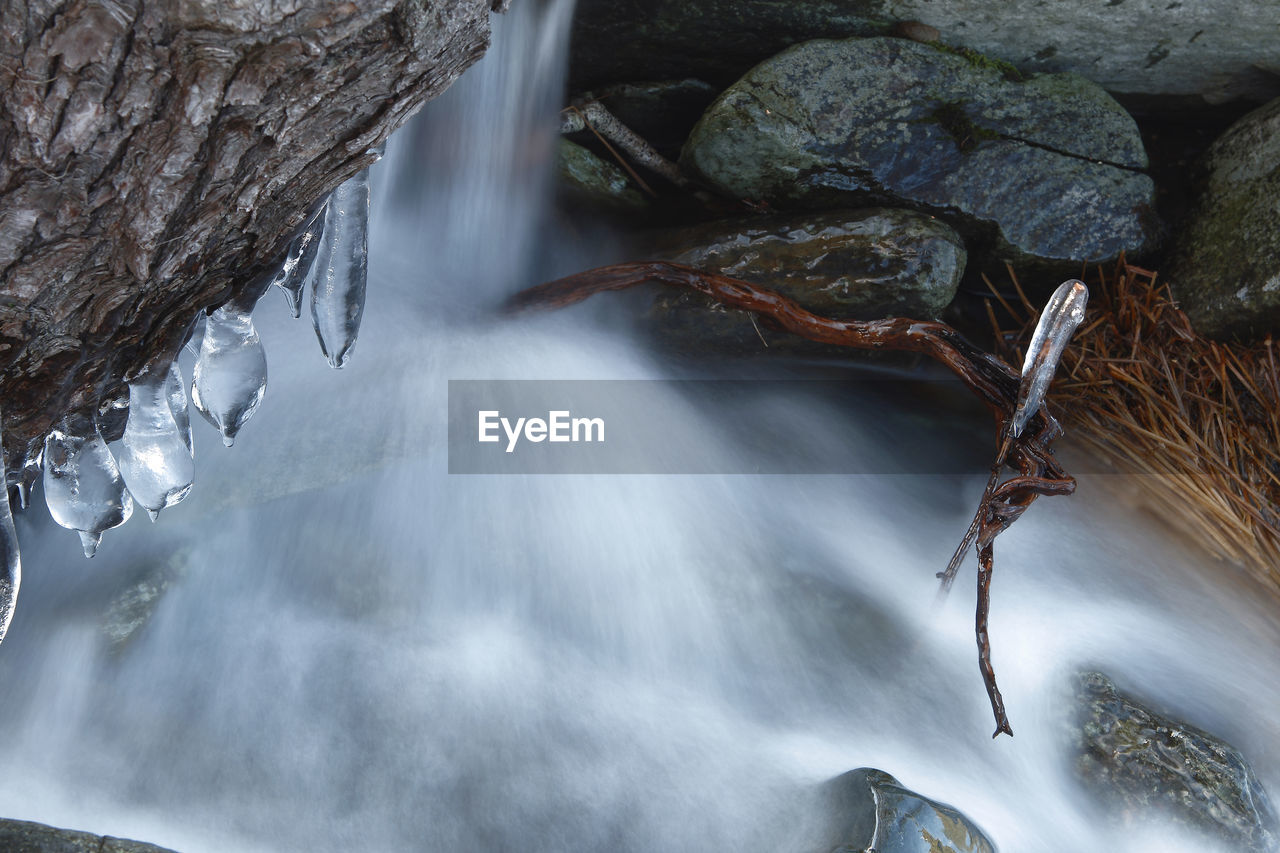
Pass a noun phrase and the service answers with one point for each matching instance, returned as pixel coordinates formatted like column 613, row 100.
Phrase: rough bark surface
column 154, row 156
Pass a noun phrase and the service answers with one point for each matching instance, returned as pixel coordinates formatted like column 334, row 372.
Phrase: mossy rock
column 1225, row 271
column 589, row 181
column 1045, row 169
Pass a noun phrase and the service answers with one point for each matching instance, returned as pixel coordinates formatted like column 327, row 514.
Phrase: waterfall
column 335, row 644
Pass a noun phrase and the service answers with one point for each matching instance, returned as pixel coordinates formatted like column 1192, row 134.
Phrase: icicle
column 300, row 259
column 176, row 394
column 1058, row 323
column 11, row 570
column 21, row 480
column 82, row 485
column 195, row 335
column 153, row 454
column 230, row 375
column 338, row 280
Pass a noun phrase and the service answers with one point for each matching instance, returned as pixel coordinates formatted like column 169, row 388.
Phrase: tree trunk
column 153, row 156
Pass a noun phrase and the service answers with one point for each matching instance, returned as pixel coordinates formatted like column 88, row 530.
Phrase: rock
column 1049, row 168
column 1226, row 263
column 857, row 264
column 1173, row 55
column 588, row 181
column 619, row 40
column 1139, row 763
column 132, row 607
column 872, row 811
column 20, row 836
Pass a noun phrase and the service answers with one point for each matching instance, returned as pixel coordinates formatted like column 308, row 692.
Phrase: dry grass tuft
column 1140, row 389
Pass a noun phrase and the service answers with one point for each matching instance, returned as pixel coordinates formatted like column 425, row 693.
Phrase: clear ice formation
column 11, row 570
column 83, row 487
column 299, row 260
column 25, row 477
column 153, row 453
column 1058, row 323
column 176, row 394
column 230, row 376
column 195, row 334
column 338, row 279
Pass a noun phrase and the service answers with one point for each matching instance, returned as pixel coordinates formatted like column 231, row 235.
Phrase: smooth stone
column 873, row 811
column 1048, row 168
column 856, row 264
column 1225, row 271
column 1138, row 763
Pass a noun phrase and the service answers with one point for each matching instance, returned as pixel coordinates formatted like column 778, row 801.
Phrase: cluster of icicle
column 91, row 484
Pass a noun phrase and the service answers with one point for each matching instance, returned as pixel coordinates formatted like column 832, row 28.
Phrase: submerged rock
column 20, row 836
column 1048, row 166
column 857, row 264
column 872, row 811
column 1139, row 763
column 1226, row 268
column 587, row 180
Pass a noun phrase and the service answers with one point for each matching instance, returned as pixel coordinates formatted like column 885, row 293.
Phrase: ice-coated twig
column 1058, row 322
column 83, row 487
column 299, row 260
column 152, row 454
column 10, row 562
column 230, row 375
column 341, row 268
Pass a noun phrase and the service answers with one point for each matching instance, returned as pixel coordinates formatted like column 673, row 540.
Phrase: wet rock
column 1226, row 266
column 1174, row 54
column 132, row 608
column 1048, row 167
column 20, row 836
column 874, row 812
column 588, row 181
column 858, row 264
column 1139, row 763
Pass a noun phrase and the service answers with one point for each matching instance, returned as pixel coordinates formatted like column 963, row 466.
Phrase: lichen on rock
column 1049, row 169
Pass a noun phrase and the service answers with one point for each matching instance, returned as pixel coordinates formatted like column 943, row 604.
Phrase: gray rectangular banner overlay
column 863, row 426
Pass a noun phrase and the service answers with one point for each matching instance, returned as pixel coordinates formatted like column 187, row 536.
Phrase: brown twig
column 991, row 379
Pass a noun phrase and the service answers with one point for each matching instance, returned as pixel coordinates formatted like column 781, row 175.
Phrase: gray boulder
column 857, row 264
column 20, row 836
column 873, row 811
column 1138, row 763
column 1226, row 267
column 1047, row 167
column 588, row 181
column 1179, row 53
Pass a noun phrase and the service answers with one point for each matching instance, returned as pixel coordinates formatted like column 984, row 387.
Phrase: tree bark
column 154, row 156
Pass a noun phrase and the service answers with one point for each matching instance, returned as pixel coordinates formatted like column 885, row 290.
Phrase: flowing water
column 334, row 644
